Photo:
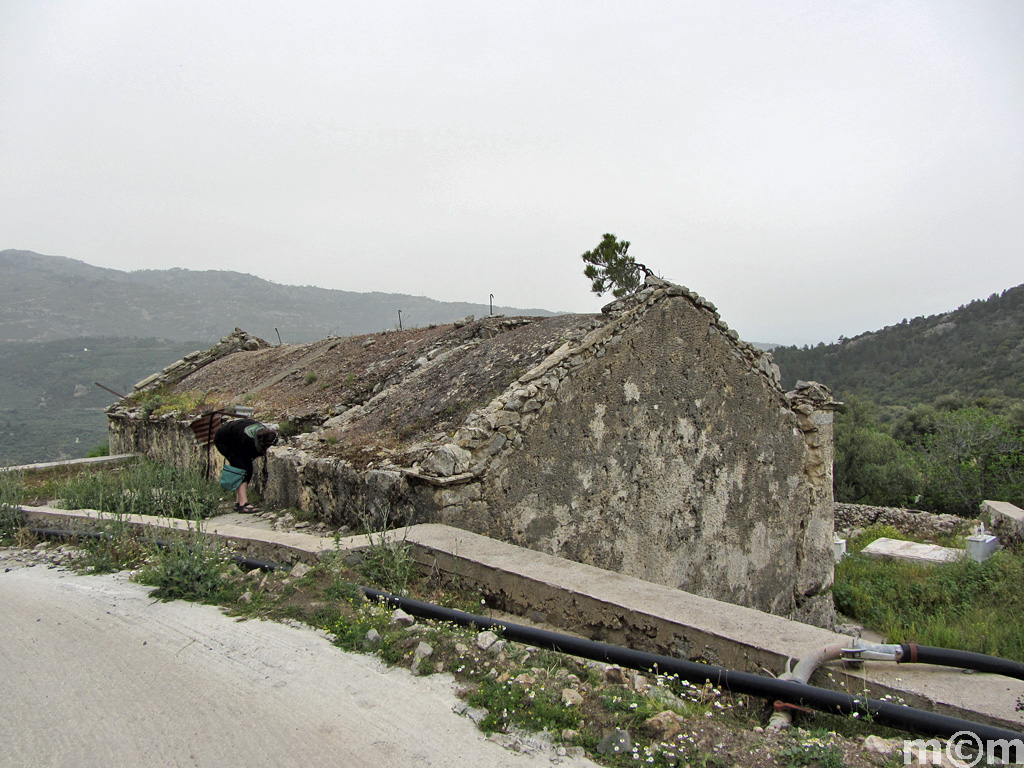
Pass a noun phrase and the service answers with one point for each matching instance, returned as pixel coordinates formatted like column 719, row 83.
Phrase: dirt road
column 95, row 673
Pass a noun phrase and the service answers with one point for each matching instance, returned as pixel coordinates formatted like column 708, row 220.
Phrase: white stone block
column 981, row 546
column 1004, row 515
column 912, row 551
column 838, row 548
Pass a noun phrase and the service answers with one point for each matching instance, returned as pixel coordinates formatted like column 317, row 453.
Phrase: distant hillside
column 51, row 297
column 50, row 406
column 53, row 309
column 974, row 350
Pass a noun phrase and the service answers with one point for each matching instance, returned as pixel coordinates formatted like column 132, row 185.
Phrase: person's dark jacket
column 238, row 446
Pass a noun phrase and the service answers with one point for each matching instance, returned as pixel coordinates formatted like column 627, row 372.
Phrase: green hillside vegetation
column 972, row 352
column 934, row 413
column 50, row 406
column 942, row 459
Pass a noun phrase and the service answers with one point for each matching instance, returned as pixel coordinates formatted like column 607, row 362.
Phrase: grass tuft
column 12, row 519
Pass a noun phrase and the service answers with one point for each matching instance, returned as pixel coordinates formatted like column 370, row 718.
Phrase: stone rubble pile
column 236, row 341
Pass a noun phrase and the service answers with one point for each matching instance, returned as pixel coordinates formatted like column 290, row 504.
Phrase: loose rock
column 402, row 618
column 616, row 743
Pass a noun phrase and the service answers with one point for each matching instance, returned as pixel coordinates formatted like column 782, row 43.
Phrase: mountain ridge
column 44, row 298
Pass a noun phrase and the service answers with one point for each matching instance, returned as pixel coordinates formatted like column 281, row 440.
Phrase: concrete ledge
column 282, row 547
column 614, row 608
column 608, row 606
column 99, row 461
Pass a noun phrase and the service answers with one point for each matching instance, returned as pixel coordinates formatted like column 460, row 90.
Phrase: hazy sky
column 813, row 168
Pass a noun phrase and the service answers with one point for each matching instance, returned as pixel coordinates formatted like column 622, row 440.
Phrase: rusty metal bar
column 109, row 390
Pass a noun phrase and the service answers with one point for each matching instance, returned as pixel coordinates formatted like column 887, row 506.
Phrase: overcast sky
column 813, row 168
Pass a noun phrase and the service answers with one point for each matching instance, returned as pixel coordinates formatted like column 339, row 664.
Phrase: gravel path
column 95, row 673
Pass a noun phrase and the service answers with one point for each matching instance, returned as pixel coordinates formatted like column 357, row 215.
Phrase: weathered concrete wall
column 665, row 454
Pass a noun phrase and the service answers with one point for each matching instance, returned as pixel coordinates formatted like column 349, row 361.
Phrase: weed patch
column 161, row 400
column 144, row 487
column 387, row 563
column 114, row 546
column 523, row 701
column 818, row 751
column 189, row 567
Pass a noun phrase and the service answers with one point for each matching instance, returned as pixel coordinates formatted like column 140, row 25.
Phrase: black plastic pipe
column 60, row 533
column 821, row 699
column 924, row 654
column 263, row 565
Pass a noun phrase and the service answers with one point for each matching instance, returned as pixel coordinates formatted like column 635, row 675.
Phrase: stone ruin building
column 648, row 440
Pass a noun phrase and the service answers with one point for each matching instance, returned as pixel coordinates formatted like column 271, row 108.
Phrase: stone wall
column 850, row 519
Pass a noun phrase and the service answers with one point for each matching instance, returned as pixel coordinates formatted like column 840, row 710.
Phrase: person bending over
column 241, row 441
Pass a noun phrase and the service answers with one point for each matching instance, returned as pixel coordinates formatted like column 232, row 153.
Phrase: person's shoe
column 245, row 509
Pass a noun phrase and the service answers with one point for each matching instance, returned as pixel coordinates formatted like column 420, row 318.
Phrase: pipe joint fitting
column 862, row 651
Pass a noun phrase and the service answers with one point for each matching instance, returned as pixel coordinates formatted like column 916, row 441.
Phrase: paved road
column 95, row 673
